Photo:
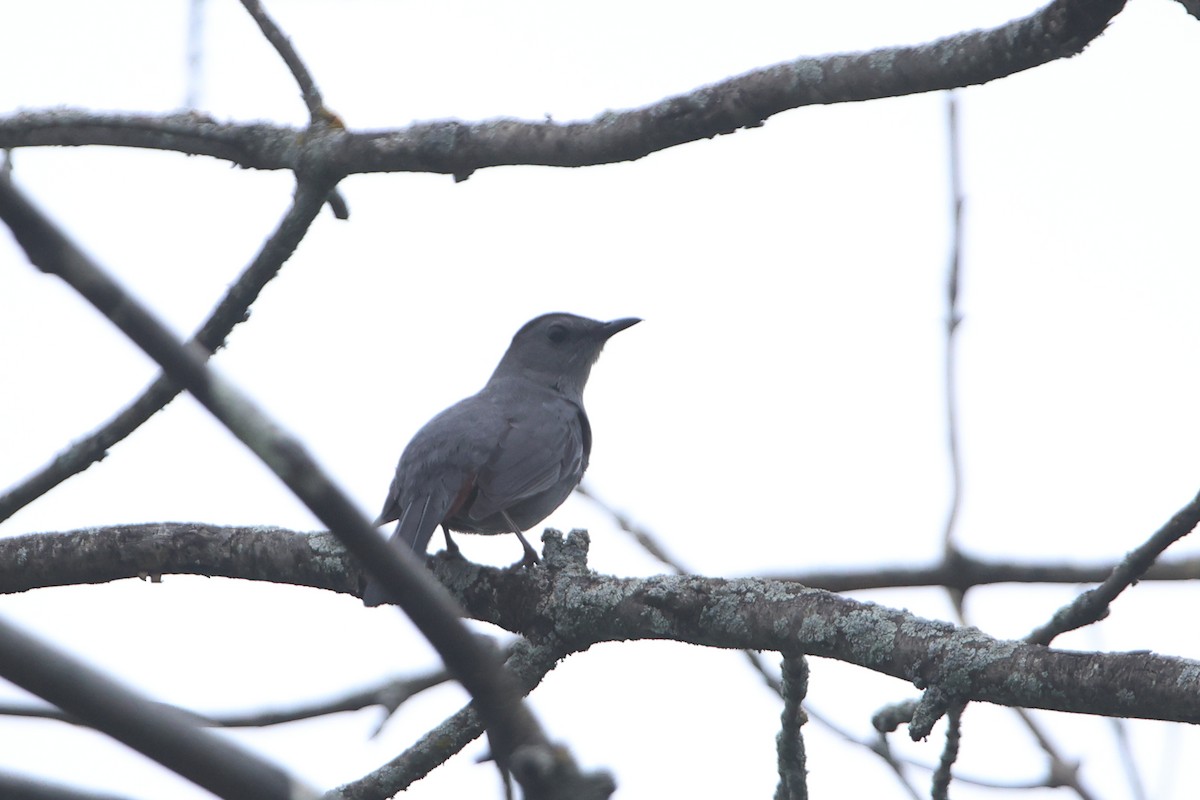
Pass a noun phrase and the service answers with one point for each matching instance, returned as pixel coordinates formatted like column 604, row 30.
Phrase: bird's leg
column 451, row 546
column 531, row 556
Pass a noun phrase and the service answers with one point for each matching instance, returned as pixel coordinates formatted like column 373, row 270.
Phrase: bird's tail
column 413, row 531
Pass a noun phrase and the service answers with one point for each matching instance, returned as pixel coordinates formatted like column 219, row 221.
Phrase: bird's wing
column 436, row 473
column 533, row 455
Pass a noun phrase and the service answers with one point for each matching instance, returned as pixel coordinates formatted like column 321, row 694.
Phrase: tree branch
column 22, row 787
column 579, row 608
column 789, row 742
column 1093, row 604
column 283, row 45
column 389, row 694
column 530, row 663
column 278, row 555
column 230, row 311
column 1059, row 30
column 171, row 738
column 518, row 741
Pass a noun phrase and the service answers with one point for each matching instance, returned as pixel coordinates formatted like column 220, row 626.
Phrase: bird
column 503, row 459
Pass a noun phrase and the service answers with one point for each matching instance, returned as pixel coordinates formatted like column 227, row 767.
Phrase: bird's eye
column 557, row 333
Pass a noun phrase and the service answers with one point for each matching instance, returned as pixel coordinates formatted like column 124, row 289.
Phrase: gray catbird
column 502, row 460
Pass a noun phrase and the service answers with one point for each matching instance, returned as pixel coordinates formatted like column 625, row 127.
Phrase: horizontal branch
column 580, row 608
column 575, row 608
column 100, row 555
column 962, row 572
column 316, row 560
column 1059, row 30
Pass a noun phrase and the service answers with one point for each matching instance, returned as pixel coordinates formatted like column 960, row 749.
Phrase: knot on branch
column 934, row 704
column 892, row 716
column 569, row 555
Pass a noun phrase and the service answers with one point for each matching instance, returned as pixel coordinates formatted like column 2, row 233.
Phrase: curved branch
column 283, row 46
column 1060, row 30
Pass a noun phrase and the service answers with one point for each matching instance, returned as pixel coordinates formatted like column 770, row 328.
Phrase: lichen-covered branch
column 574, row 608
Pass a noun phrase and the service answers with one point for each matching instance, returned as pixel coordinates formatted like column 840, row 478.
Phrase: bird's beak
column 618, row 325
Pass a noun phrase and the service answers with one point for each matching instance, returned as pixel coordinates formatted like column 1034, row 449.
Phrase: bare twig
column 319, row 114
column 194, row 64
column 953, row 318
column 941, row 775
column 879, row 746
column 642, row 535
column 962, row 572
column 1137, row 789
column 283, row 46
column 1093, row 604
column 529, row 662
column 517, row 738
column 1063, row 772
column 389, row 694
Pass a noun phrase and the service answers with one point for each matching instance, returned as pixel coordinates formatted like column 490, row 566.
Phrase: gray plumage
column 503, row 459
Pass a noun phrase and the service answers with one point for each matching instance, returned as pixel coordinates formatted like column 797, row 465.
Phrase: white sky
column 781, row 408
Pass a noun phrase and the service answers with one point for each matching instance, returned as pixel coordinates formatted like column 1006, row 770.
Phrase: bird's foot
column 529, row 558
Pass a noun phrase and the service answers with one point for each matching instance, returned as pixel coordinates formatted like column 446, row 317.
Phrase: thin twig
column 962, row 572
column 389, row 694
column 1093, row 604
column 283, row 46
column 529, row 662
column 318, row 113
column 941, row 775
column 1063, row 773
column 953, row 318
column 194, row 62
column 1120, row 729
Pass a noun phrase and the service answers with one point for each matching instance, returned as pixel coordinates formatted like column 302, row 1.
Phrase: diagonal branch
column 529, row 662
column 1093, row 604
column 172, row 739
column 318, row 114
column 283, row 46
column 231, row 310
column 518, row 741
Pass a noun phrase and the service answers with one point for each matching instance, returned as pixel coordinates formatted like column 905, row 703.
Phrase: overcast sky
column 781, row 408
